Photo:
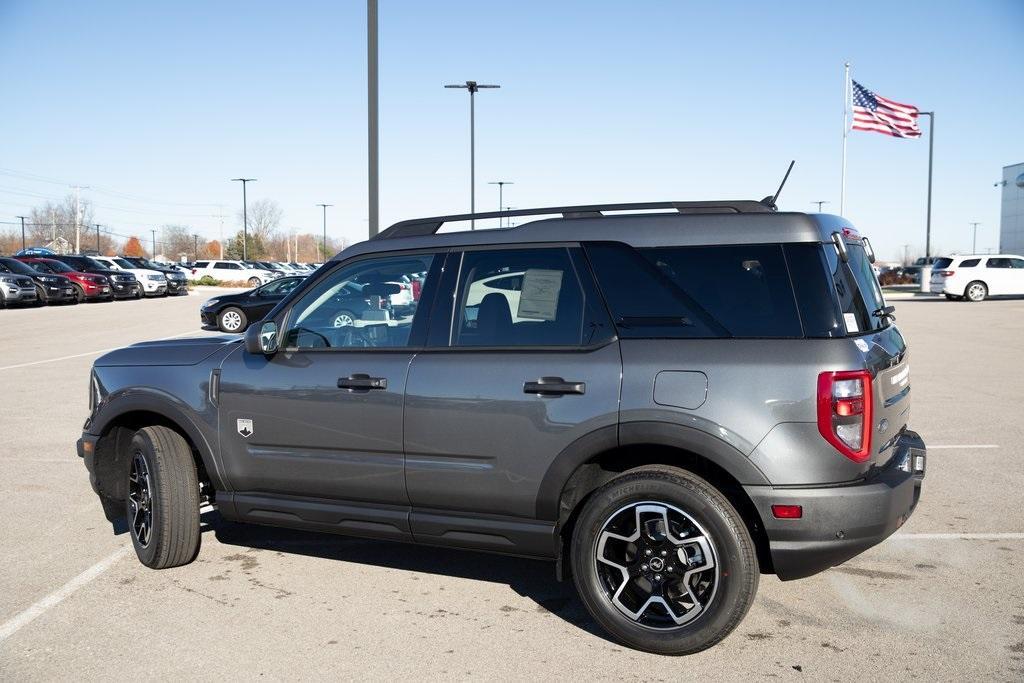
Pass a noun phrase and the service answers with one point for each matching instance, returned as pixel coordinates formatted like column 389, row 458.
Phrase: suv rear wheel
column 663, row 561
column 163, row 498
column 976, row 291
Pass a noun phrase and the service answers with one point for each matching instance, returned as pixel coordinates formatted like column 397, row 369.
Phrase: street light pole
column 195, row 247
column 501, row 186
column 22, row 231
column 245, row 216
column 325, row 231
column 153, row 232
column 372, row 129
column 974, row 244
column 472, row 87
column 819, row 203
column 98, row 239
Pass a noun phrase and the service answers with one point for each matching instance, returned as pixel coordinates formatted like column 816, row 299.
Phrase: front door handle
column 362, row 382
column 553, row 386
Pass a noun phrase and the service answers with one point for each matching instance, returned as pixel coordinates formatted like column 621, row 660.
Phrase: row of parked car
column 375, row 299
column 37, row 278
column 255, row 273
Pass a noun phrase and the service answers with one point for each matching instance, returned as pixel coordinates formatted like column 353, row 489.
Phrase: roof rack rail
column 418, row 227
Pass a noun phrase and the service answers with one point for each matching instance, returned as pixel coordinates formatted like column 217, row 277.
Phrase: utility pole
column 245, row 216
column 974, row 244
column 819, row 203
column 472, row 87
column 325, row 230
column 501, row 186
column 288, row 247
column 220, row 208
column 78, row 218
column 98, row 252
column 154, row 243
column 372, row 129
column 195, row 247
column 296, row 244
column 22, row 231
column 905, row 257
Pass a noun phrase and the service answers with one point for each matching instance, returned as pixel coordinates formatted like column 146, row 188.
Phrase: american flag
column 874, row 112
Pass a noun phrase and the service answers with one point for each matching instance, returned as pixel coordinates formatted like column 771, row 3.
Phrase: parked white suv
column 233, row 270
column 976, row 276
column 154, row 283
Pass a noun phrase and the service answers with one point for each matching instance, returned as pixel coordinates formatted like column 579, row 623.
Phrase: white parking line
column 87, row 353
column 22, row 619
column 965, row 446
column 1009, row 536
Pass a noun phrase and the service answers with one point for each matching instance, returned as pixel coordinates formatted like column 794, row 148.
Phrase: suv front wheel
column 663, row 561
column 163, row 498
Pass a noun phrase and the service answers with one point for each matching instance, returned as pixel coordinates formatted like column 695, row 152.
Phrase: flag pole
column 846, row 102
column 931, row 144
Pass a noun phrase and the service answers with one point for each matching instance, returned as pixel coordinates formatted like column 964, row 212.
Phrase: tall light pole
column 501, row 186
column 931, row 149
column 325, row 230
column 372, row 130
column 472, row 87
column 974, row 244
column 78, row 217
column 906, row 260
column 819, row 203
column 245, row 216
column 154, row 243
column 98, row 253
column 22, row 231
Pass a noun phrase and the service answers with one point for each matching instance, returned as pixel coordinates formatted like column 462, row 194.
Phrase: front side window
column 519, row 297
column 365, row 304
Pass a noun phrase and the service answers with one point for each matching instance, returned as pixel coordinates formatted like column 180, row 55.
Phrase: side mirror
column 262, row 339
column 837, row 239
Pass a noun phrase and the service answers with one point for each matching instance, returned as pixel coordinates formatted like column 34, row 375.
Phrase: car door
column 313, row 433
column 263, row 299
column 521, row 363
column 1015, row 276
column 998, row 275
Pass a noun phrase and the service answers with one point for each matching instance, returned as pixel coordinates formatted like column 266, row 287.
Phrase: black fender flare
column 656, row 433
column 173, row 409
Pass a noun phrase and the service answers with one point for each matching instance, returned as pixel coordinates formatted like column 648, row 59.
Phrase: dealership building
column 1011, row 223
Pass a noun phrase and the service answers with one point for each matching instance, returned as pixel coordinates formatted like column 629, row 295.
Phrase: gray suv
column 667, row 399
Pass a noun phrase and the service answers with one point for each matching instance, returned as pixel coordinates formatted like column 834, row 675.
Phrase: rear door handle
column 553, row 386
column 362, row 382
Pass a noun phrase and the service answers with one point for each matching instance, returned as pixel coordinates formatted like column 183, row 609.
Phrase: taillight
column 844, row 412
column 946, row 273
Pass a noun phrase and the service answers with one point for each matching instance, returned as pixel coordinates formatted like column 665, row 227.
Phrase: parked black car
column 124, row 285
column 235, row 312
column 50, row 288
column 177, row 281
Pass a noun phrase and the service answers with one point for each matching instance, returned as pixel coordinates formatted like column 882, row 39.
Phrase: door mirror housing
column 262, row 339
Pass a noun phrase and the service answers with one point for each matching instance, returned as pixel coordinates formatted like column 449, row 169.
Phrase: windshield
column 121, row 262
column 860, row 296
column 10, row 265
column 53, row 266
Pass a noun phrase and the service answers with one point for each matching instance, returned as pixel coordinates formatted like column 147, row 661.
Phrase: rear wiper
column 885, row 313
column 654, row 321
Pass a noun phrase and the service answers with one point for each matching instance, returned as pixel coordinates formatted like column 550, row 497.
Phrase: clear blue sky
column 600, row 101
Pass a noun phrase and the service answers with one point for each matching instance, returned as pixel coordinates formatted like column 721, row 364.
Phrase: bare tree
column 177, row 241
column 54, row 220
column 264, row 217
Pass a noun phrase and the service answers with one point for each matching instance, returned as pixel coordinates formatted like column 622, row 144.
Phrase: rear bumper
column 840, row 522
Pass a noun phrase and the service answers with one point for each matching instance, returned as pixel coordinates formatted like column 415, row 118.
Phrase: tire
column 952, row 297
column 79, row 294
column 254, row 282
column 976, row 291
column 723, row 574
column 232, row 320
column 344, row 319
column 41, row 299
column 163, row 498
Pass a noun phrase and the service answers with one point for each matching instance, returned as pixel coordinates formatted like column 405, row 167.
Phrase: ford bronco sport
column 667, row 399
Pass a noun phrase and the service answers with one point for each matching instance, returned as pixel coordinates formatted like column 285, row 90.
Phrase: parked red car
column 88, row 286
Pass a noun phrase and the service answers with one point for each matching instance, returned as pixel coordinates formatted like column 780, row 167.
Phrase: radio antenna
column 771, row 201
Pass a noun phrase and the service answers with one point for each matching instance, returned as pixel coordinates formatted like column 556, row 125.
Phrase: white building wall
column 1011, row 223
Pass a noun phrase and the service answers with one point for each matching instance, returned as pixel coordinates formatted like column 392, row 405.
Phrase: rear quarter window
column 969, row 263
column 741, row 291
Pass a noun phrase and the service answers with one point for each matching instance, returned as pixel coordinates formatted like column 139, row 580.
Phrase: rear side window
column 202, row 264
column 969, row 263
column 739, row 291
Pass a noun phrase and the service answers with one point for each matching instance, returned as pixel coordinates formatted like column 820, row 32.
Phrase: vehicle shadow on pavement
column 533, row 579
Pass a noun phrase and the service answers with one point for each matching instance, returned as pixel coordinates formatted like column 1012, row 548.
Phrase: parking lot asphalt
column 942, row 599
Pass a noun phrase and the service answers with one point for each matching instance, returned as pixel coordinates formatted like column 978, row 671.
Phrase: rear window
column 741, row 291
column 860, row 296
column 942, row 263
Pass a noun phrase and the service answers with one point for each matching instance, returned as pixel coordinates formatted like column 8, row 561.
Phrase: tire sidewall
column 727, row 533
column 967, row 292
column 148, row 554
